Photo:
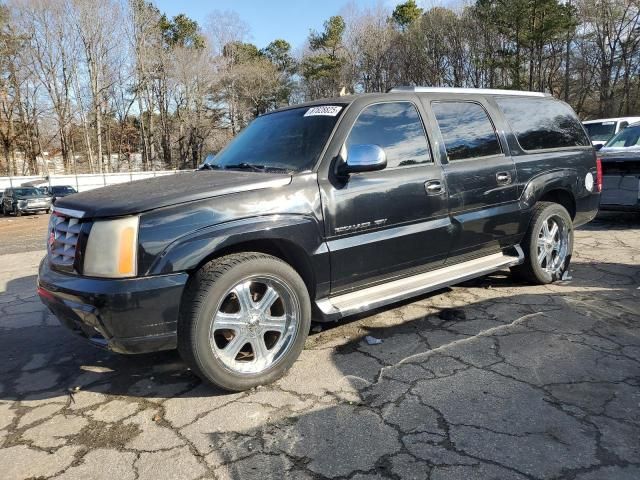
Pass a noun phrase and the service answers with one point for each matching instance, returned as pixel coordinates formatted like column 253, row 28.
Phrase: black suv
column 21, row 200
column 321, row 210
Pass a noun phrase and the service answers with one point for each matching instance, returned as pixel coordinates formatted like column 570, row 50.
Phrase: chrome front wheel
column 244, row 320
column 254, row 325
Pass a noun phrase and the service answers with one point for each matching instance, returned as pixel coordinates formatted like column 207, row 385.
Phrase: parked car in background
column 620, row 160
column 602, row 130
column 21, row 200
column 329, row 209
column 59, row 191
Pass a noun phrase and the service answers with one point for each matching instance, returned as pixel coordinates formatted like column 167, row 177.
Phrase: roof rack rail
column 481, row 91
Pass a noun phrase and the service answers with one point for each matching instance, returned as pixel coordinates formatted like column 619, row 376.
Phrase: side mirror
column 363, row 158
column 598, row 146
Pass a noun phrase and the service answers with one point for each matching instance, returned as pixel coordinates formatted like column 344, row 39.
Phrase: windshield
column 288, row 141
column 27, row 192
column 629, row 137
column 601, row 131
column 63, row 189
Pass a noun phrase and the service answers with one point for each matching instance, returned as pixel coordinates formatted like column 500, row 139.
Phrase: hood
column 619, row 153
column 143, row 195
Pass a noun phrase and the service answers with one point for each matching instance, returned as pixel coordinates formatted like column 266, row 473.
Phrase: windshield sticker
column 326, row 110
column 608, row 123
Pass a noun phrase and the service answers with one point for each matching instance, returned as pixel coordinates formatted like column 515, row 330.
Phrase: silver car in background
column 620, row 160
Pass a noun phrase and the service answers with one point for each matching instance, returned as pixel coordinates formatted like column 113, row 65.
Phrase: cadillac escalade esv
column 321, row 210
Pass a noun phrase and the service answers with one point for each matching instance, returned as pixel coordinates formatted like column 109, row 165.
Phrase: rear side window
column 466, row 129
column 540, row 123
column 397, row 128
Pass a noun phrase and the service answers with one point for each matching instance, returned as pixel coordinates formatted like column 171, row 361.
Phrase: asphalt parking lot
column 487, row 380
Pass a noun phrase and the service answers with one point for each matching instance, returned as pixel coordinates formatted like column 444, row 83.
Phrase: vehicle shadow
column 610, row 220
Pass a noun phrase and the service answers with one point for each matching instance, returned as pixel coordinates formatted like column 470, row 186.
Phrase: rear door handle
column 503, row 178
column 434, row 187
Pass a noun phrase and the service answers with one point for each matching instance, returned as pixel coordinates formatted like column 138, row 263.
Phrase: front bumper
column 135, row 315
column 33, row 208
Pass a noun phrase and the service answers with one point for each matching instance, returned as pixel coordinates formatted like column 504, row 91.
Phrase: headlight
column 112, row 248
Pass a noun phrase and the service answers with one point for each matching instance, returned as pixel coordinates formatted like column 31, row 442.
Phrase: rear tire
column 243, row 320
column 547, row 245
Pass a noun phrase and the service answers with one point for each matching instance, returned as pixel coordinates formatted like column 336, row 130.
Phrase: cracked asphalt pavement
column 487, row 380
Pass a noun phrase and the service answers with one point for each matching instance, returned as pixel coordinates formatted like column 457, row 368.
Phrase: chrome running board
column 403, row 288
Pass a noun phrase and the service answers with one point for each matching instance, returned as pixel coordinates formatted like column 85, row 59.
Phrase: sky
column 271, row 19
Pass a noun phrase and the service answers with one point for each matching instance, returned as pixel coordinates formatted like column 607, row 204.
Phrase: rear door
column 391, row 222
column 480, row 176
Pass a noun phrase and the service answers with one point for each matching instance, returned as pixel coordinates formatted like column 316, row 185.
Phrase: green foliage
column 324, row 69
column 406, row 13
column 240, row 52
column 528, row 26
column 331, row 39
column 181, row 31
column 279, row 53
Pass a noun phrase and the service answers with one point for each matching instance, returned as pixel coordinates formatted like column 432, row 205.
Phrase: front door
column 481, row 179
column 384, row 224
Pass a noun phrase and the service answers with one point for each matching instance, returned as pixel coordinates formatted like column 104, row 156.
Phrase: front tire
column 547, row 245
column 243, row 320
column 17, row 212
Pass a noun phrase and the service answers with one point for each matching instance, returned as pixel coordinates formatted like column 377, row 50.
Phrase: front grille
column 64, row 233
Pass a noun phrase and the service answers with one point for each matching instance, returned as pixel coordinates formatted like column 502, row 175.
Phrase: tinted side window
column 541, row 123
column 397, row 128
column 466, row 130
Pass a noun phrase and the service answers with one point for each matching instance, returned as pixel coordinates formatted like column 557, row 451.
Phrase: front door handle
column 503, row 178
column 434, row 187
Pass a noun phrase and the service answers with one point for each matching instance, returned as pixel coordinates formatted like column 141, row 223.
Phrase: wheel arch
column 284, row 249
column 563, row 197
column 558, row 186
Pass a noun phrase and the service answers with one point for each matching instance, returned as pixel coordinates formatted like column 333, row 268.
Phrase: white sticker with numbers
column 326, row 110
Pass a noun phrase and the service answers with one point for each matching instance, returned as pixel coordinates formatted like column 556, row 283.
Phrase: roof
column 468, row 91
column 347, row 99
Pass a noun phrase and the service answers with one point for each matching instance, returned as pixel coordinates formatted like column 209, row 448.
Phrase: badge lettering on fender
column 361, row 226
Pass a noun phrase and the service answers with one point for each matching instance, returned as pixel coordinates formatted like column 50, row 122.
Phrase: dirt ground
column 23, row 234
column 487, row 380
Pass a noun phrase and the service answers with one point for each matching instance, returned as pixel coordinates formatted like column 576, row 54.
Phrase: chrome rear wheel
column 547, row 244
column 553, row 242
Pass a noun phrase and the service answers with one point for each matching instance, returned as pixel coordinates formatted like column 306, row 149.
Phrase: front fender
column 188, row 252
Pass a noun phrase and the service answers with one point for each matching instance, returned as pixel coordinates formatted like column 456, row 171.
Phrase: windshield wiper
column 209, row 166
column 246, row 166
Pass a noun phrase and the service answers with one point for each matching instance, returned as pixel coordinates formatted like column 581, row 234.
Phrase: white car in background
column 602, row 130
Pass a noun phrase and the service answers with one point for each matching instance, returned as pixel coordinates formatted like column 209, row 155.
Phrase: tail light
column 598, row 175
